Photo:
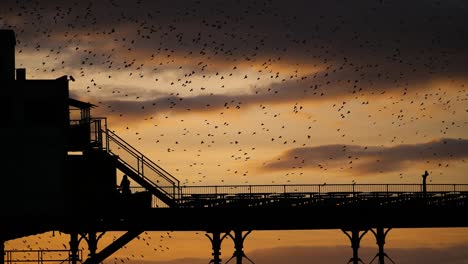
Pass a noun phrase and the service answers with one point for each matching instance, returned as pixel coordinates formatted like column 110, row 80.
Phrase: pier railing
column 227, row 190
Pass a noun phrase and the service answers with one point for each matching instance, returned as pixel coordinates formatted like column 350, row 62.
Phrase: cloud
column 371, row 159
column 337, row 255
column 317, row 87
column 416, row 38
column 387, row 28
column 365, row 48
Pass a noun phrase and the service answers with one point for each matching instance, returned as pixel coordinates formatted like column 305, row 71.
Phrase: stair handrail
column 143, row 161
column 166, row 175
column 152, row 183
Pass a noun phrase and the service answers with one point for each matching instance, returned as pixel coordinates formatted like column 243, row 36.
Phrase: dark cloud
column 424, row 38
column 372, row 159
column 338, row 255
column 366, row 48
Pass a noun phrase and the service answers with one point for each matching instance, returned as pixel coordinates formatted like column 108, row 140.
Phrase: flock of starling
column 262, row 91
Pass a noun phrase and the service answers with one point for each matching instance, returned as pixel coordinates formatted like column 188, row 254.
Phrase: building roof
column 79, row 104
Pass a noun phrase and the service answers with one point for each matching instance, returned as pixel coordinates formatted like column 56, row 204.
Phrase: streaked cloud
column 311, row 88
column 372, row 159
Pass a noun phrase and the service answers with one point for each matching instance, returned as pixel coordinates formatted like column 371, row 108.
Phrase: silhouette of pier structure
column 62, row 166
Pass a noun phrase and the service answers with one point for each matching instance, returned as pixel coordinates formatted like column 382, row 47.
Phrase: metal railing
column 90, row 131
column 141, row 165
column 97, row 129
column 39, row 256
column 321, row 188
column 252, row 191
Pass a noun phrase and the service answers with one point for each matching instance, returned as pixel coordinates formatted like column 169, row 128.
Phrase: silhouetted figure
column 125, row 186
column 424, row 176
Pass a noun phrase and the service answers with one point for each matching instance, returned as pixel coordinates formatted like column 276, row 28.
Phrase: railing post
column 142, row 164
column 319, row 188
column 454, row 188
column 284, row 188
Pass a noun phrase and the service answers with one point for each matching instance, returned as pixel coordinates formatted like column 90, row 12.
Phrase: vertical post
column 142, row 164
column 216, row 240
column 355, row 239
column 92, row 244
column 7, row 54
column 2, row 251
column 74, row 243
column 380, row 235
column 107, row 139
column 239, row 245
column 238, row 240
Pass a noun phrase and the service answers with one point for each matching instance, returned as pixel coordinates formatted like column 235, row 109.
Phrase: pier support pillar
column 239, row 239
column 92, row 240
column 216, row 240
column 380, row 235
column 92, row 244
column 2, row 251
column 355, row 239
column 112, row 247
column 74, row 243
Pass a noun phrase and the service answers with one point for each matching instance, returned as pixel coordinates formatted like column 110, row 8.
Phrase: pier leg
column 2, row 251
column 92, row 239
column 113, row 247
column 216, row 240
column 355, row 239
column 380, row 235
column 92, row 244
column 74, row 243
column 239, row 239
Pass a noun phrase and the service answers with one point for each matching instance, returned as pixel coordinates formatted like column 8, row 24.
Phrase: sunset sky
column 267, row 92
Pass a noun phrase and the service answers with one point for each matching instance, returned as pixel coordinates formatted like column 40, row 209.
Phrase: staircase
column 142, row 170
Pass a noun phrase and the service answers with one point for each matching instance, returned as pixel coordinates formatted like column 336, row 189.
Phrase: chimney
column 7, row 54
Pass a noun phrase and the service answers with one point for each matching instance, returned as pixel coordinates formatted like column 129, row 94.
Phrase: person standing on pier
column 424, row 176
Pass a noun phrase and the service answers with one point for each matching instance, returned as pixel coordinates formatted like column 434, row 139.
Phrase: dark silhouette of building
column 35, row 132
column 54, row 161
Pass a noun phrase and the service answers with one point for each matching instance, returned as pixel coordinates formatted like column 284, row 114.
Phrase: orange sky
column 227, row 94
